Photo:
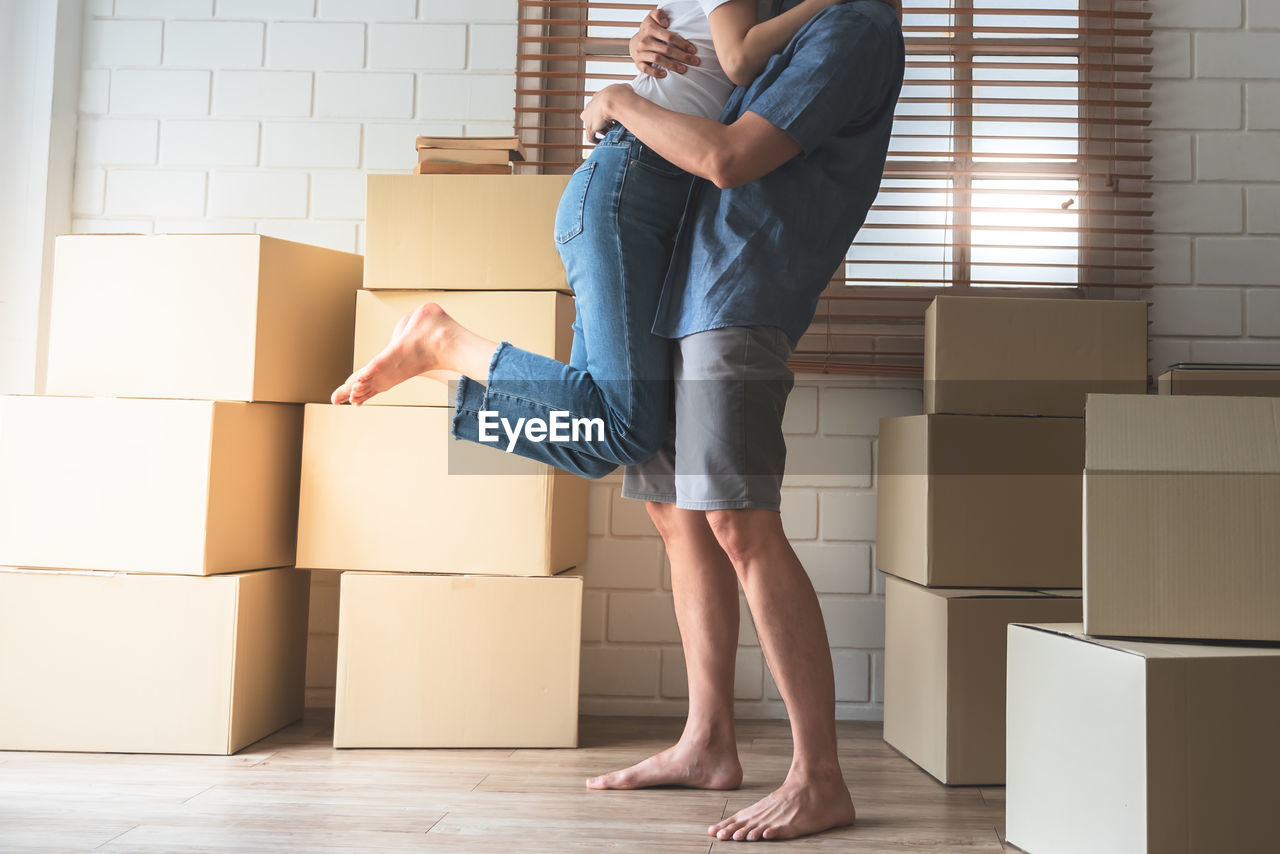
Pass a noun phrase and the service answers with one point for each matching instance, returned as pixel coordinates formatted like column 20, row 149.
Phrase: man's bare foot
column 414, row 349
column 692, row 768
column 798, row 808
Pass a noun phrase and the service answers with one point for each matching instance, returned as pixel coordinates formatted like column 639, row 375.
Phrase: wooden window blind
column 1018, row 166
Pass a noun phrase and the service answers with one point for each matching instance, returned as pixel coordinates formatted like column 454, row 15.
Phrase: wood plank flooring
column 294, row 792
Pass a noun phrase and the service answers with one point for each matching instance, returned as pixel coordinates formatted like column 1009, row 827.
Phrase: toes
column 728, row 830
column 721, row 825
column 342, row 394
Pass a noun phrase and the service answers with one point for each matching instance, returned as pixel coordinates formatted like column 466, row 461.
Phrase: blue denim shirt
column 762, row 254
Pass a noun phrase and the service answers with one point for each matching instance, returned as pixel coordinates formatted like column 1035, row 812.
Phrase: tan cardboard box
column 944, row 673
column 463, row 232
column 378, row 494
column 538, row 321
column 980, row 501
column 93, row 661
column 458, row 661
column 1005, row 356
column 1182, row 517
column 211, row 317
column 189, row 487
column 1251, row 382
column 1125, row 747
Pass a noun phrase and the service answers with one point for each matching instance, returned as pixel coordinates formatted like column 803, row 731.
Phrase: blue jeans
column 615, row 229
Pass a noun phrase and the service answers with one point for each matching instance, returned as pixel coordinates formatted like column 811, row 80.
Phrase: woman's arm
column 726, row 155
column 744, row 46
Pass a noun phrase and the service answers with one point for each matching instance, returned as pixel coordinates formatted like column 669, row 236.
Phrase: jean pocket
column 645, row 156
column 573, row 202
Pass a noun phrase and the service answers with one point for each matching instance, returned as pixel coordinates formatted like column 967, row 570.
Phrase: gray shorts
column 724, row 449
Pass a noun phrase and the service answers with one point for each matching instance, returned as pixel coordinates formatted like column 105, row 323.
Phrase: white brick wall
column 231, row 115
column 1216, row 111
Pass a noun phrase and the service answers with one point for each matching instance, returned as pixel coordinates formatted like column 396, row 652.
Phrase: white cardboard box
column 1129, row 747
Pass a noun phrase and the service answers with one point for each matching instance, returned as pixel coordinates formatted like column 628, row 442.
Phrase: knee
column 665, row 517
column 674, row 523
column 733, row 532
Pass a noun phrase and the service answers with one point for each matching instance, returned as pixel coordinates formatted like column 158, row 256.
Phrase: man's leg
column 814, row 796
column 730, row 455
column 706, row 600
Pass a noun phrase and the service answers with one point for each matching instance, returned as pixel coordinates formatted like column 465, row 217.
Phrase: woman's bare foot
column 798, row 808
column 414, row 349
column 690, row 767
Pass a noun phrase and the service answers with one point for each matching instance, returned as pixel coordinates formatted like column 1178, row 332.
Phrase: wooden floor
column 294, row 792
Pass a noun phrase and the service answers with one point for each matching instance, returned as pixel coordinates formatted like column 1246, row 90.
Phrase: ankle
column 818, row 773
column 709, row 738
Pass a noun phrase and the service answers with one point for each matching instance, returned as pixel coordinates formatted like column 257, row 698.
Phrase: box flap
column 1235, row 381
column 1173, row 434
column 989, row 593
column 1155, row 650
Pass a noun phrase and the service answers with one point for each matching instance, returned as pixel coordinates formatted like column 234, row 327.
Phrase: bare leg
column 814, row 797
column 706, row 601
column 426, row 341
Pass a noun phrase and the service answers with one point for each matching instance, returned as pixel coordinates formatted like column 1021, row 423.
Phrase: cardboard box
column 538, row 321
column 1182, row 517
column 1240, row 382
column 1006, row 356
column 944, row 672
column 377, row 494
column 186, row 487
column 463, row 232
column 210, row 317
column 437, row 167
column 968, row 501
column 1125, row 747
column 457, row 661
column 93, row 661
column 471, row 149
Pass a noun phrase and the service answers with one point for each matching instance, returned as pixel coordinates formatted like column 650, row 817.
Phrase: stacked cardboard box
column 473, row 155
column 1221, row 380
column 982, row 494
column 1162, row 704
column 454, row 629
column 151, row 502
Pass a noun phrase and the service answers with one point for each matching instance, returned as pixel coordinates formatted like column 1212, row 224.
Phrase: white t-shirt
column 704, row 88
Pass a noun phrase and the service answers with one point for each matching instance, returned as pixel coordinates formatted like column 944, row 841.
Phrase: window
column 1018, row 163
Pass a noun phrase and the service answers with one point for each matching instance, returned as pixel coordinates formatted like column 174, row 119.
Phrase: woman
column 615, row 228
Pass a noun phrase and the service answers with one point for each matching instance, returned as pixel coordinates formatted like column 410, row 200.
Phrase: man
column 789, row 174
column 791, row 171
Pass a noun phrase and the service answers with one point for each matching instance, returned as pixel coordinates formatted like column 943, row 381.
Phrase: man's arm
column 726, row 155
